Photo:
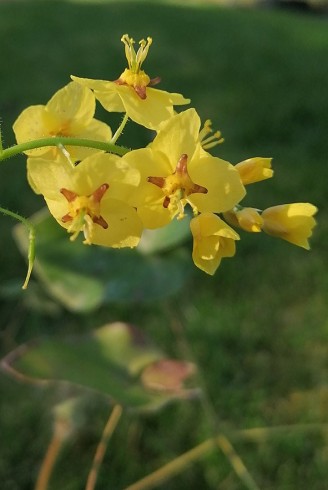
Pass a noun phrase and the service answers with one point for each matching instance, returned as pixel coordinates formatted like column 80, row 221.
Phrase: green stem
column 60, row 140
column 119, row 129
column 31, row 248
column 181, row 463
column 221, row 440
column 1, row 147
column 102, row 446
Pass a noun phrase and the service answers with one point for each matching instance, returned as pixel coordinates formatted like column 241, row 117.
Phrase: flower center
column 177, row 187
column 133, row 76
column 84, row 212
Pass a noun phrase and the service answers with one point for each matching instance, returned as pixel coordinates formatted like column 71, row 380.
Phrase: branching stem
column 60, row 140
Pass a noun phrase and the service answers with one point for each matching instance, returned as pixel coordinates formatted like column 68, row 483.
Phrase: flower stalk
column 58, row 141
column 31, row 238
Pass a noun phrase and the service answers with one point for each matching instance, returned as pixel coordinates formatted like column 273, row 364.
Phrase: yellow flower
column 175, row 171
column 213, row 240
column 291, row 222
column 68, row 113
column 249, row 219
column 254, row 170
column 90, row 198
column 132, row 92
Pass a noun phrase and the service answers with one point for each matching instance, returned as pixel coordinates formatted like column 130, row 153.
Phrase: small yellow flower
column 254, row 170
column 132, row 92
column 68, row 113
column 90, row 198
column 248, row 219
column 176, row 171
column 213, row 240
column 291, row 222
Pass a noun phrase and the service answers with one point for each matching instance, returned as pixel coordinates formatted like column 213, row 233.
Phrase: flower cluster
column 111, row 199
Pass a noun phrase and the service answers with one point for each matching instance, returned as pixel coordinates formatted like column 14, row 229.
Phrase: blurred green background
column 259, row 328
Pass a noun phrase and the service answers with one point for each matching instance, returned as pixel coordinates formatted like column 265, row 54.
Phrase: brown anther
column 140, row 91
column 159, row 181
column 99, row 220
column 154, row 81
column 119, row 81
column 199, row 189
column 98, row 193
column 69, row 195
column 166, row 202
column 181, row 167
column 66, row 218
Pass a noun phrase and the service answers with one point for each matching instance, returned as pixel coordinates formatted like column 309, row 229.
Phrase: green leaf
column 83, row 277
column 116, row 360
column 165, row 238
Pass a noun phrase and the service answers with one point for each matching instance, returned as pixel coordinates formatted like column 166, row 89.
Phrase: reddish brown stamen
column 166, row 202
column 99, row 220
column 66, row 218
column 159, row 181
column 154, row 81
column 98, row 193
column 199, row 189
column 69, row 195
column 181, row 167
column 140, row 91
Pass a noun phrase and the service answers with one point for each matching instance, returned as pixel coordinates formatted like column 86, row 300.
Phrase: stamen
column 66, row 218
column 98, row 193
column 166, row 202
column 84, row 211
column 155, row 81
column 99, row 220
column 181, row 167
column 177, row 187
column 141, row 91
column 206, row 141
column 159, row 181
column 199, row 189
column 69, row 195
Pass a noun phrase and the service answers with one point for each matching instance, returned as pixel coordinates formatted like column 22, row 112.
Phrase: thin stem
column 173, row 467
column 60, row 140
column 259, row 434
column 31, row 238
column 119, row 130
column 181, row 462
column 1, row 146
column 49, row 462
column 222, row 442
column 102, row 446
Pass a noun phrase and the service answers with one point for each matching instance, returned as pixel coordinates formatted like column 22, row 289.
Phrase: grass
column 259, row 328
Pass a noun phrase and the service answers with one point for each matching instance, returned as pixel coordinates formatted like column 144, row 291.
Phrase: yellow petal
column 254, row 170
column 213, row 240
column 149, row 112
column 30, row 126
column 73, row 103
column 291, row 222
column 124, row 226
column 222, row 181
column 96, row 130
column 248, row 219
column 178, row 135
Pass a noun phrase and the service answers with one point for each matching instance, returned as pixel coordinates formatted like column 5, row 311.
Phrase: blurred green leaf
column 111, row 360
column 165, row 238
column 83, row 277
